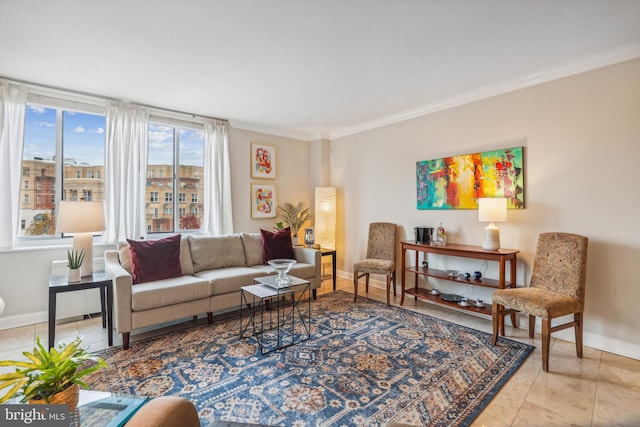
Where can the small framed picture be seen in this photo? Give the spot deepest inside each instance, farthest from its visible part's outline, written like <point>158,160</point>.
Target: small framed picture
<point>263,201</point>
<point>263,161</point>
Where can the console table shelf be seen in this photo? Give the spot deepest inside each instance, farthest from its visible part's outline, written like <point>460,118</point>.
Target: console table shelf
<point>424,294</point>
<point>442,274</point>
<point>502,256</point>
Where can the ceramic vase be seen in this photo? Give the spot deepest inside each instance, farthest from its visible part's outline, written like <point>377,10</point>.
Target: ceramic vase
<point>74,275</point>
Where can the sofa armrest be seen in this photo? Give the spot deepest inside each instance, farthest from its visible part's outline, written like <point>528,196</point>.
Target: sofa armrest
<point>313,257</point>
<point>122,283</point>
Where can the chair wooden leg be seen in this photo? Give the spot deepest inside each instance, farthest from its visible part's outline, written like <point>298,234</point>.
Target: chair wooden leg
<point>355,286</point>
<point>532,325</point>
<point>210,317</point>
<point>514,320</point>
<point>388,289</point>
<point>366,282</point>
<point>578,318</point>
<point>546,341</point>
<point>125,340</point>
<point>393,278</point>
<point>495,314</point>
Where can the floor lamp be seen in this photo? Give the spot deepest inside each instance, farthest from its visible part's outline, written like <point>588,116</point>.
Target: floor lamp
<point>82,219</point>
<point>325,217</point>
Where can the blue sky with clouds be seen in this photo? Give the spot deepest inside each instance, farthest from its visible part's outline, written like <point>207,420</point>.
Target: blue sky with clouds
<point>84,138</point>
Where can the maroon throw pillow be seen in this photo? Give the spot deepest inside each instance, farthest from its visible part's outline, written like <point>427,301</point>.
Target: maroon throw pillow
<point>276,245</point>
<point>155,259</point>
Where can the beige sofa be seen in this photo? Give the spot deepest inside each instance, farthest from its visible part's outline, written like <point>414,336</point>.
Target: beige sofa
<point>214,268</point>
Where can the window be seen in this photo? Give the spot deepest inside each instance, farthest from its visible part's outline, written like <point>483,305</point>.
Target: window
<point>60,144</point>
<point>23,224</point>
<point>153,197</point>
<point>177,156</point>
<point>86,195</point>
<point>90,174</point>
<point>26,185</point>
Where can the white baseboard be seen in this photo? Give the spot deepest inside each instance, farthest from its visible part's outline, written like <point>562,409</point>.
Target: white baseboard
<point>8,322</point>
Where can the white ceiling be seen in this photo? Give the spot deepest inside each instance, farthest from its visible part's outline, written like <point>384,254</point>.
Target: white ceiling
<point>310,69</point>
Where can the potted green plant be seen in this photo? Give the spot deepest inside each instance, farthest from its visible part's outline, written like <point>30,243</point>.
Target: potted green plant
<point>50,376</point>
<point>74,261</point>
<point>295,216</point>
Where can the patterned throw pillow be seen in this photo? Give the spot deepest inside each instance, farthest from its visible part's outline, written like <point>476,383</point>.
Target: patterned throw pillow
<point>155,259</point>
<point>276,245</point>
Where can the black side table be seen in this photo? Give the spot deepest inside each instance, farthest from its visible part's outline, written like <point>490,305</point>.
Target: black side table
<point>332,253</point>
<point>100,280</point>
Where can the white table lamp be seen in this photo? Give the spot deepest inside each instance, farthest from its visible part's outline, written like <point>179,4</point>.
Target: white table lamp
<point>82,219</point>
<point>492,210</point>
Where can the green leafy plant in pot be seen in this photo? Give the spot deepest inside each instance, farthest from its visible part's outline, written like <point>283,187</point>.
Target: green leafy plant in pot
<point>295,216</point>
<point>50,376</point>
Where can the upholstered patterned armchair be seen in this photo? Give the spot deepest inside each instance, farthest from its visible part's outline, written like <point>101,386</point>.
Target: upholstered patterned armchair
<point>381,257</point>
<point>556,289</point>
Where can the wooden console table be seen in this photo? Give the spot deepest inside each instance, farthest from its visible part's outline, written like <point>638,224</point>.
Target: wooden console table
<point>502,256</point>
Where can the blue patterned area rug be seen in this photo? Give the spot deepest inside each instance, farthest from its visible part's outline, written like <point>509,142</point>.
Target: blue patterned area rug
<point>365,364</point>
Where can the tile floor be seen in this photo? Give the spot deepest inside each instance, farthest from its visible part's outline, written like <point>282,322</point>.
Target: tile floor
<point>601,389</point>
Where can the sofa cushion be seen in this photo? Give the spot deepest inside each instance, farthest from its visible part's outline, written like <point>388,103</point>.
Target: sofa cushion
<point>252,243</point>
<point>231,279</point>
<point>210,252</point>
<point>276,245</point>
<point>161,293</point>
<point>124,255</point>
<point>155,259</point>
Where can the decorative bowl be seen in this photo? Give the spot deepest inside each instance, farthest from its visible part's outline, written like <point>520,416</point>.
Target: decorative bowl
<point>282,267</point>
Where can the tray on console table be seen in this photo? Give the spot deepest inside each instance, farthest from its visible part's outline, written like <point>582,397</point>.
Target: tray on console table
<point>502,256</point>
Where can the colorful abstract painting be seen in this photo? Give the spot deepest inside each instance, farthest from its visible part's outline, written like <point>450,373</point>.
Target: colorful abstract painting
<point>456,182</point>
<point>263,161</point>
<point>263,201</point>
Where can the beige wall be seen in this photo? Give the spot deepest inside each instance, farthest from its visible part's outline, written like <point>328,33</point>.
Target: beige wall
<point>292,181</point>
<point>581,138</point>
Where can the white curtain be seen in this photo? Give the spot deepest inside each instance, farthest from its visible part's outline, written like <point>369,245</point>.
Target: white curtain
<point>217,179</point>
<point>125,171</point>
<point>13,101</point>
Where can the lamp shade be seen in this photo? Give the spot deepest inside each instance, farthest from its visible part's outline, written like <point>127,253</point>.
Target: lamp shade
<point>325,217</point>
<point>80,217</point>
<point>492,209</point>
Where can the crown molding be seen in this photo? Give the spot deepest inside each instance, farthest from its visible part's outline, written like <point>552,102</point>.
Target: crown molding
<point>584,64</point>
<point>285,133</point>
